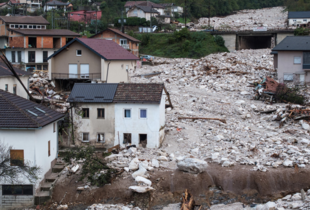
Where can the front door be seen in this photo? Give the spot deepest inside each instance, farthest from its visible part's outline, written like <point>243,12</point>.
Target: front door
<point>84,71</point>
<point>73,71</point>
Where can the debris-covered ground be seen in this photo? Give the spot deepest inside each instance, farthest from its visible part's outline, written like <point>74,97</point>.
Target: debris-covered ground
<point>272,18</point>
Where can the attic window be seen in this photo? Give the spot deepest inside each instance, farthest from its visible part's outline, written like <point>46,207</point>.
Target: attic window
<point>39,109</point>
<point>78,52</point>
<point>31,112</point>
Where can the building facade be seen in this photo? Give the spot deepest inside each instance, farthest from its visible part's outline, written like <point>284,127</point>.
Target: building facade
<point>298,19</point>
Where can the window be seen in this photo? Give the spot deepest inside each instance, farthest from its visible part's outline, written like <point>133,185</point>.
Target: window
<point>127,138</point>
<point>127,113</point>
<point>6,87</point>
<point>288,77</point>
<point>143,140</point>
<point>45,67</point>
<point>78,52</point>
<point>142,113</point>
<point>100,113</point>
<point>43,27</point>
<point>44,56</point>
<point>100,137</point>
<point>127,67</point>
<point>39,67</point>
<point>13,57</point>
<point>25,26</point>
<point>30,26</point>
<point>85,137</point>
<point>85,113</point>
<point>38,27</point>
<point>297,60</point>
<point>54,127</point>
<point>20,26</point>
<point>305,20</point>
<point>17,190</point>
<point>14,89</point>
<point>32,56</point>
<point>16,26</point>
<point>34,26</point>
<point>123,41</point>
<point>49,148</point>
<point>294,20</point>
<point>19,56</point>
<point>17,157</point>
<point>12,26</point>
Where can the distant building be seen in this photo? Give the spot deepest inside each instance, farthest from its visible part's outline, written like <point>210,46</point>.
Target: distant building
<point>298,19</point>
<point>31,129</point>
<point>32,5</point>
<point>144,9</point>
<point>145,4</point>
<point>84,16</point>
<point>171,9</point>
<point>292,59</point>
<point>127,42</point>
<point>9,83</point>
<point>54,4</point>
<point>125,114</point>
<point>87,60</point>
<point>27,40</point>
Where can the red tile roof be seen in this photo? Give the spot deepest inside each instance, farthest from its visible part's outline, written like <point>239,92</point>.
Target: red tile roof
<point>47,32</point>
<point>25,19</point>
<point>119,33</point>
<point>107,49</point>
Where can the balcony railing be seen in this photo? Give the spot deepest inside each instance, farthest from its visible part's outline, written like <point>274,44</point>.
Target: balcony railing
<point>76,76</point>
<point>126,46</point>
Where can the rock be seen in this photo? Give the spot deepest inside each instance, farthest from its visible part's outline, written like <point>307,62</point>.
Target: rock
<point>305,141</point>
<point>171,157</point>
<point>192,165</point>
<point>141,172</point>
<point>143,180</point>
<point>155,163</point>
<point>132,150</point>
<point>62,207</point>
<point>288,197</point>
<point>134,164</point>
<point>288,163</point>
<point>75,168</point>
<point>227,164</point>
<point>218,137</point>
<point>80,189</point>
<point>162,158</point>
<point>141,189</point>
<point>195,151</point>
<point>296,197</point>
<point>245,93</point>
<point>180,158</point>
<point>233,206</point>
<point>269,206</point>
<point>112,157</point>
<point>240,102</point>
<point>305,125</point>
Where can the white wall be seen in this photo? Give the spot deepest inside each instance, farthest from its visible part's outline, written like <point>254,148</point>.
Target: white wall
<point>298,21</point>
<point>39,54</point>
<point>136,125</point>
<point>11,80</point>
<point>8,54</point>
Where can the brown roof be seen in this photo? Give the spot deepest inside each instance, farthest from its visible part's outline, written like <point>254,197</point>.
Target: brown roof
<point>17,112</point>
<point>142,3</point>
<point>46,32</point>
<point>25,19</point>
<point>138,93</point>
<point>119,33</point>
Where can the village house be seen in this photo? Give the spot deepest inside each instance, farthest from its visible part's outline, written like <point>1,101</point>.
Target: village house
<point>28,43</point>
<point>299,19</point>
<point>32,132</point>
<point>9,83</point>
<point>56,5</point>
<point>32,5</point>
<point>87,60</point>
<point>158,7</point>
<point>124,113</point>
<point>171,9</point>
<point>84,16</point>
<point>124,40</point>
<point>292,59</point>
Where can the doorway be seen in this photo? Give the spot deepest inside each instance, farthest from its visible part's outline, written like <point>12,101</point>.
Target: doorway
<point>127,138</point>
<point>143,140</point>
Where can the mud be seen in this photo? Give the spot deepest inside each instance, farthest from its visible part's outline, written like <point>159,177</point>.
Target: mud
<point>218,185</point>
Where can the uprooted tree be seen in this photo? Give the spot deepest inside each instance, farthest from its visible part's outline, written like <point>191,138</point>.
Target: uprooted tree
<point>93,167</point>
<point>14,169</point>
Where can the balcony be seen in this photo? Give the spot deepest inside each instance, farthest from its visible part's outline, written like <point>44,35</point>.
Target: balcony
<point>126,46</point>
<point>76,76</point>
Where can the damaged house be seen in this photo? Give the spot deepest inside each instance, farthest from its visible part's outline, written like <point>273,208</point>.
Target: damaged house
<point>292,59</point>
<point>124,113</point>
<point>32,132</point>
<point>87,60</point>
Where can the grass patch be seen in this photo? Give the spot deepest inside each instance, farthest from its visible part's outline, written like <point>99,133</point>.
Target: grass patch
<point>182,44</point>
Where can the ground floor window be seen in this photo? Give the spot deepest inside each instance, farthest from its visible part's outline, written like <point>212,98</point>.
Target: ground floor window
<point>127,138</point>
<point>143,140</point>
<point>30,68</point>
<point>100,137</point>
<point>17,190</point>
<point>85,137</point>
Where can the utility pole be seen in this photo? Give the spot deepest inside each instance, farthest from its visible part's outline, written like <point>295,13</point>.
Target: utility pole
<point>185,13</point>
<point>52,18</point>
<point>209,21</point>
<point>123,22</point>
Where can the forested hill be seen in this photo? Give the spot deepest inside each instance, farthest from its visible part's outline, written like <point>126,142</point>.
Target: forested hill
<point>297,5</point>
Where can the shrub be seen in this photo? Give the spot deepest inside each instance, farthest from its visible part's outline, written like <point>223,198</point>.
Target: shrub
<point>286,94</point>
<point>301,32</point>
<point>182,34</point>
<point>145,39</point>
<point>198,36</point>
<point>219,41</point>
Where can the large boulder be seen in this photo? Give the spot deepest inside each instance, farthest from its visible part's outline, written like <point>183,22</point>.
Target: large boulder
<point>142,180</point>
<point>141,189</point>
<point>192,165</point>
<point>141,172</point>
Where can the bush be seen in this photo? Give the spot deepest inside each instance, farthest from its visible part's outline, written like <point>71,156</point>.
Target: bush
<point>145,39</point>
<point>182,34</point>
<point>198,36</point>
<point>132,21</point>
<point>286,94</point>
<point>301,32</point>
<point>219,41</point>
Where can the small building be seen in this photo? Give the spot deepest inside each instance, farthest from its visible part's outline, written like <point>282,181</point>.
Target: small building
<point>145,4</point>
<point>298,19</point>
<point>32,132</point>
<point>171,9</point>
<point>32,5</point>
<point>124,40</point>
<point>292,59</point>
<point>9,83</point>
<point>84,16</point>
<point>87,60</point>
<point>142,12</point>
<point>54,4</point>
<point>112,114</point>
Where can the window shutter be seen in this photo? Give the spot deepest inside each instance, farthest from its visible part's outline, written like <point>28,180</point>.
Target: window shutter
<point>17,157</point>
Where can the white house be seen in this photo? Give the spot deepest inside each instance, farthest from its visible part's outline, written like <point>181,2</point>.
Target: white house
<point>8,81</point>
<point>124,113</point>
<point>31,130</point>
<point>298,19</point>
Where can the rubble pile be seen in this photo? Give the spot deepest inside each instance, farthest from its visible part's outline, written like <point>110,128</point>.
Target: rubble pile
<point>42,89</point>
<point>218,87</point>
<point>272,18</point>
<point>111,207</point>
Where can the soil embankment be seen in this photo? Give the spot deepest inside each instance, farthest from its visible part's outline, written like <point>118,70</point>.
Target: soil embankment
<point>219,185</point>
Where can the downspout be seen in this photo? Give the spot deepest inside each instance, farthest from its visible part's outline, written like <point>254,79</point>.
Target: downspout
<point>108,72</point>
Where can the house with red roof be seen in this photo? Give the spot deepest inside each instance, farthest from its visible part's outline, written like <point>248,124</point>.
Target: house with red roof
<point>128,42</point>
<point>90,60</point>
<point>84,16</point>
